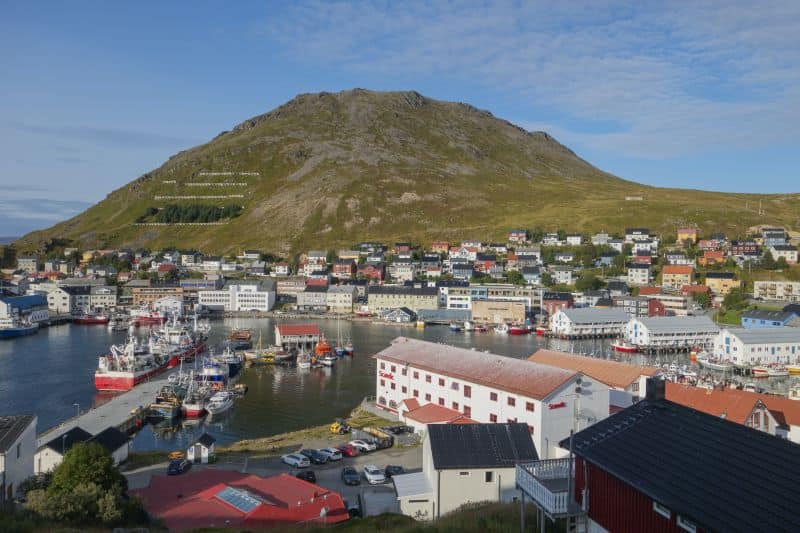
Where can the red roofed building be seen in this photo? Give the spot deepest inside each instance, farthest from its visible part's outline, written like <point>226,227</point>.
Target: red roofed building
<point>691,290</point>
<point>440,247</point>
<point>214,498</point>
<point>372,271</point>
<point>711,257</point>
<point>435,414</point>
<point>293,336</point>
<point>648,291</point>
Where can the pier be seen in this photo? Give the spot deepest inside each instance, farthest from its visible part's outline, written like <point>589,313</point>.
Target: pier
<point>122,412</point>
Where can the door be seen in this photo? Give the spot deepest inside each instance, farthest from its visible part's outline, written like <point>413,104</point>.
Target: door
<point>198,453</point>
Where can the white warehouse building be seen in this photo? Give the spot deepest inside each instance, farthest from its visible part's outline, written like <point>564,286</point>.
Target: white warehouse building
<point>759,345</point>
<point>671,332</point>
<point>491,388</point>
<point>240,296</point>
<point>588,321</point>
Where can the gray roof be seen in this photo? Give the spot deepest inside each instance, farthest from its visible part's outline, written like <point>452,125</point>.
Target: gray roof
<point>766,335</point>
<point>780,316</point>
<point>459,446</point>
<point>593,315</point>
<point>11,427</point>
<point>678,324</point>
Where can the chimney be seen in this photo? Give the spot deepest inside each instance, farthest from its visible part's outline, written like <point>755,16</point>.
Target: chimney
<point>655,389</point>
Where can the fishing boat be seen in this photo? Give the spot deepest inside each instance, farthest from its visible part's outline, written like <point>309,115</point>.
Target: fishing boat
<point>145,315</point>
<point>454,327</point>
<point>715,364</point>
<point>760,371</point>
<point>793,368</point>
<point>777,371</point>
<point>228,359</point>
<point>211,374</point>
<point>540,331</point>
<point>88,318</point>
<point>167,411</point>
<point>623,347</point>
<point>327,360</point>
<point>323,347</point>
<point>480,328</point>
<point>303,360</point>
<point>469,326</point>
<point>219,402</point>
<point>501,329</point>
<point>519,329</point>
<point>194,404</point>
<point>11,328</point>
<point>128,365</point>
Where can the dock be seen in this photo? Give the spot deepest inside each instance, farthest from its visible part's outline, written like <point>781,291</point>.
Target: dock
<point>119,412</point>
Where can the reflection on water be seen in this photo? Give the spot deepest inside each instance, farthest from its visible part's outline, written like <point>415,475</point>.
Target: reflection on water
<point>47,373</point>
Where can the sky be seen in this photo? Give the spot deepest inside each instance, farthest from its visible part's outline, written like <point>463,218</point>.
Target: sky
<point>681,94</point>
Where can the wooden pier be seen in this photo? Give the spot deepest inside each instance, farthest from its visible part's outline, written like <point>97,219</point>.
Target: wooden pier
<point>124,412</point>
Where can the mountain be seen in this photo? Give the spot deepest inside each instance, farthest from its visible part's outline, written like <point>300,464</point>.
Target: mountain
<point>327,170</point>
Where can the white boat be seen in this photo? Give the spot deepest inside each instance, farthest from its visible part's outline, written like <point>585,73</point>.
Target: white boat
<point>777,372</point>
<point>303,360</point>
<point>469,326</point>
<point>715,364</point>
<point>219,402</point>
<point>760,371</point>
<point>327,360</point>
<point>502,329</point>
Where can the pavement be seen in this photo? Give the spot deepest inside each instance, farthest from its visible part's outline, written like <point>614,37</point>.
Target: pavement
<point>375,499</point>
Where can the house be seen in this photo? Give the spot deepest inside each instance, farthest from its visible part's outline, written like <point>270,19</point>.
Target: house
<point>687,234</point>
<point>744,248</point>
<point>462,270</point>
<point>678,258</point>
<point>551,239</point>
<point>401,315</point>
<point>574,239</point>
<point>617,288</point>
<point>215,498</point>
<point>675,332</point>
<point>773,237</point>
<point>280,269</point>
<point>564,257</point>
<point>553,301</point>
<point>382,298</point>
<point>638,274</point>
<point>621,475</point>
<point>777,290</point>
<point>297,336</point>
<point>532,275</point>
<point>721,283</point>
<point>440,247</point>
<point>711,257</point>
<point>463,464</point>
<point>519,236</point>
<point>401,270</point>
<point>562,274</point>
<point>498,247</point>
<point>116,443</point>
<point>674,276</point>
<point>636,234</point>
<point>341,298</point>
<point>693,290</point>
<point>785,251</point>
<point>588,321</point>
<point>28,264</point>
<point>313,298</point>
<point>484,262</point>
<point>626,382</point>
<point>489,388</point>
<point>373,271</point>
<point>420,416</point>
<point>642,257</point>
<point>240,296</point>
<point>202,451</point>
<point>759,345</point>
<point>606,258</point>
<point>766,319</point>
<point>402,249</point>
<point>344,268</point>
<point>17,447</point>
<point>32,308</point>
<point>52,453</point>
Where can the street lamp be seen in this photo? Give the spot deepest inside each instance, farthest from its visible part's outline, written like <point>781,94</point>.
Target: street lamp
<point>63,445</point>
<point>77,409</point>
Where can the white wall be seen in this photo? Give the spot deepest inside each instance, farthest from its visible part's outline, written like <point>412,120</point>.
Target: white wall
<point>45,460</point>
<point>16,469</point>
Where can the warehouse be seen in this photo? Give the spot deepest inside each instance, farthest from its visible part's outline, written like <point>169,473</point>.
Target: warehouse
<point>671,332</point>
<point>758,346</point>
<point>588,322</point>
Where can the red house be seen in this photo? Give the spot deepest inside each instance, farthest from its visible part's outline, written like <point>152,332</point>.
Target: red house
<point>658,466</point>
<point>372,271</point>
<point>440,247</point>
<point>484,263</point>
<point>554,301</point>
<point>344,268</point>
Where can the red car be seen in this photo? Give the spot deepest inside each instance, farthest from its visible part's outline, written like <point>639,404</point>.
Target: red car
<point>347,450</point>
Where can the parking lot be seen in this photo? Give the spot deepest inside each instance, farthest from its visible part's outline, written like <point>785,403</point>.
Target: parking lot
<point>375,499</point>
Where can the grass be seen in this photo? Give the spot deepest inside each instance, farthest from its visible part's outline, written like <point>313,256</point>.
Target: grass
<point>734,316</point>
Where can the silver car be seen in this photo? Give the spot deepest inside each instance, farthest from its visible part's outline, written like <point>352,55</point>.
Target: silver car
<point>296,460</point>
<point>331,453</point>
<point>374,475</point>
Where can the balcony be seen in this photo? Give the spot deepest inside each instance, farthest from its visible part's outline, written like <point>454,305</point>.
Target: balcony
<point>546,482</point>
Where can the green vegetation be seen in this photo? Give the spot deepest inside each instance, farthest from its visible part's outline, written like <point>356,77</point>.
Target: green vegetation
<point>334,169</point>
<point>172,213</point>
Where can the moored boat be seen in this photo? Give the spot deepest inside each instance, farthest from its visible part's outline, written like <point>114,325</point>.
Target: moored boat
<point>793,369</point>
<point>145,315</point>
<point>323,347</point>
<point>760,371</point>
<point>519,329</point>
<point>623,347</point>
<point>777,372</point>
<point>11,328</point>
<point>127,366</point>
<point>327,360</point>
<point>219,402</point>
<point>715,364</point>
<point>501,329</point>
<point>540,330</point>
<point>455,327</point>
<point>88,318</point>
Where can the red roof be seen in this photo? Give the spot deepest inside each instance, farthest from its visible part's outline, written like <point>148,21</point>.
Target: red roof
<point>644,291</point>
<point>690,289</point>
<point>496,371</point>
<point>713,254</point>
<point>431,413</point>
<point>190,501</point>
<point>166,267</point>
<point>735,405</point>
<point>612,373</point>
<point>411,403</point>
<point>678,269</point>
<point>317,282</point>
<point>298,329</point>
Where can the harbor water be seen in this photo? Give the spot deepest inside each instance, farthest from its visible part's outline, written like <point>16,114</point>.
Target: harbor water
<point>51,374</point>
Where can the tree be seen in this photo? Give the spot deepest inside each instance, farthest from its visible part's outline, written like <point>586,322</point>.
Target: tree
<point>781,263</point>
<point>515,277</point>
<point>768,261</point>
<point>735,299</point>
<point>547,279</point>
<point>702,299</point>
<point>87,463</point>
<point>588,281</point>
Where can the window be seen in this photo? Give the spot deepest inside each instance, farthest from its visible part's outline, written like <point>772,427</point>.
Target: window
<point>467,410</point>
<point>463,473</point>
<point>427,397</point>
<point>383,366</point>
<point>488,477</point>
<point>383,383</point>
<point>467,391</point>
<point>455,406</point>
<point>493,418</point>
<point>454,385</point>
<point>686,525</point>
<point>404,389</point>
<point>441,382</point>
<point>512,401</point>
<point>417,501</point>
<point>529,406</point>
<point>635,386</point>
<point>441,401</point>
<point>660,509</point>
<point>416,393</point>
<point>404,372</point>
<point>427,378</point>
<point>19,450</point>
<point>493,396</point>
<point>511,420</point>
<point>416,376</point>
<point>393,386</point>
<point>394,369</point>
<point>530,429</point>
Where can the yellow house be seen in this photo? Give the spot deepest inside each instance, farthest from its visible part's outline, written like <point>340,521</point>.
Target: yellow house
<point>685,234</point>
<point>721,283</point>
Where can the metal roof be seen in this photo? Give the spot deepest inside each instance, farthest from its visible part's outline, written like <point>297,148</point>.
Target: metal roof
<point>593,315</point>
<point>678,324</point>
<point>766,335</point>
<point>26,302</point>
<point>612,373</point>
<point>780,316</point>
<point>480,445</point>
<point>413,484</point>
<point>11,427</point>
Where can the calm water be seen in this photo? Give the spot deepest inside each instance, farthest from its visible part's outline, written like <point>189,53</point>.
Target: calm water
<point>49,372</point>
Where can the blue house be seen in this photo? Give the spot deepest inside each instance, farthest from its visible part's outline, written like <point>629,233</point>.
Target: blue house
<point>767,319</point>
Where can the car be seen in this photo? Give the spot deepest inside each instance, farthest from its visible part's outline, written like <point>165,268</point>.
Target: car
<point>374,475</point>
<point>178,466</point>
<point>363,446</point>
<point>348,450</point>
<point>296,460</point>
<point>331,453</point>
<point>399,430</point>
<point>393,470</point>
<point>315,457</point>
<point>307,475</point>
<point>350,476</point>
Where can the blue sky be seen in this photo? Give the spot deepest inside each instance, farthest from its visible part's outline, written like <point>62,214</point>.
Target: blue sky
<point>684,94</point>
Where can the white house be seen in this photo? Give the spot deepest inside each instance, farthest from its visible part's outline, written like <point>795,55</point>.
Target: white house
<point>490,388</point>
<point>463,464</point>
<point>574,239</point>
<point>588,321</point>
<point>788,252</point>
<point>562,274</point>
<point>240,296</point>
<point>52,453</point>
<point>638,274</point>
<point>759,345</point>
<point>202,451</point>
<point>17,446</point>
<point>340,298</point>
<point>675,332</point>
<point>777,290</point>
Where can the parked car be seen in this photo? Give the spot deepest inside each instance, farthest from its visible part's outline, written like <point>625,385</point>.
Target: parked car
<point>307,475</point>
<point>296,460</point>
<point>332,454</point>
<point>393,470</point>
<point>178,466</point>
<point>398,430</point>
<point>348,450</point>
<point>363,446</point>
<point>315,456</point>
<point>374,475</point>
<point>350,476</point>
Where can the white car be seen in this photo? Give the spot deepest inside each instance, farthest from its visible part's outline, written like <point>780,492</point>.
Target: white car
<point>331,453</point>
<point>296,460</point>
<point>374,475</point>
<point>362,445</point>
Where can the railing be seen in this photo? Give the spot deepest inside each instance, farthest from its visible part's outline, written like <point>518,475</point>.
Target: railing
<point>530,477</point>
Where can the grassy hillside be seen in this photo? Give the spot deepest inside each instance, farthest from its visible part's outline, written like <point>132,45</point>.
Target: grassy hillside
<point>325,170</point>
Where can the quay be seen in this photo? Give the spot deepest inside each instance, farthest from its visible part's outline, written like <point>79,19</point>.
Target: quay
<point>123,412</point>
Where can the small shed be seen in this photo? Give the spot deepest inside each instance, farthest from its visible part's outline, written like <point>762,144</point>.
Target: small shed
<point>202,451</point>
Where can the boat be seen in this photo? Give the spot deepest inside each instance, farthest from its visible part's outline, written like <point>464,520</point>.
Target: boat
<point>145,315</point>
<point>715,364</point>
<point>230,360</point>
<point>167,411</point>
<point>793,368</point>
<point>194,404</point>
<point>454,327</point>
<point>501,329</point>
<point>323,348</point>
<point>219,402</point>
<point>540,331</point>
<point>623,347</point>
<point>11,328</point>
<point>128,365</point>
<point>760,371</point>
<point>519,329</point>
<point>327,360</point>
<point>88,318</point>
<point>777,372</point>
<point>303,360</point>
<point>211,374</point>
